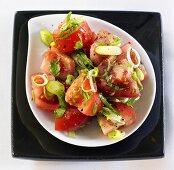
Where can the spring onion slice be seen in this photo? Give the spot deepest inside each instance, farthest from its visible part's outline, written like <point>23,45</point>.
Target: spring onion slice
<point>92,74</point>
<point>110,115</point>
<point>40,80</point>
<point>46,37</point>
<point>108,50</point>
<point>128,55</point>
<point>57,88</point>
<point>116,134</point>
<point>140,74</point>
<point>69,79</point>
<point>107,104</point>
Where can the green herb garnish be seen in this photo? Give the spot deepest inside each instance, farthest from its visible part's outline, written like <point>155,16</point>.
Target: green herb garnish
<point>70,26</point>
<point>57,88</point>
<point>46,37</point>
<point>55,68</point>
<point>79,44</point>
<point>82,61</point>
<point>69,79</point>
<point>59,112</point>
<point>95,109</point>
<point>106,103</point>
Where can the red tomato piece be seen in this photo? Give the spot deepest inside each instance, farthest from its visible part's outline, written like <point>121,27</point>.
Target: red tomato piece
<point>126,112</point>
<point>93,106</point>
<point>48,57</point>
<point>67,45</point>
<point>39,98</point>
<point>47,105</point>
<point>67,65</point>
<point>131,91</point>
<point>75,96</point>
<point>87,48</point>
<point>72,120</point>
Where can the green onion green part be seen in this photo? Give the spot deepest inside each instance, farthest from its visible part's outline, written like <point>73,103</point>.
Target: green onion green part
<point>59,112</point>
<point>72,134</point>
<point>57,88</point>
<point>116,134</point>
<point>82,61</point>
<point>106,103</point>
<point>55,68</point>
<point>46,37</point>
<point>70,78</point>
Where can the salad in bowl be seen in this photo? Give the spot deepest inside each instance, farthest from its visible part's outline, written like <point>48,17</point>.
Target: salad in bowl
<point>85,81</point>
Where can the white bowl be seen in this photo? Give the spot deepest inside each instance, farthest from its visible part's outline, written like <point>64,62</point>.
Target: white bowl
<point>91,135</point>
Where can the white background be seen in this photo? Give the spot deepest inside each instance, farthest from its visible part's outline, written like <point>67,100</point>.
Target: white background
<point>7,11</point>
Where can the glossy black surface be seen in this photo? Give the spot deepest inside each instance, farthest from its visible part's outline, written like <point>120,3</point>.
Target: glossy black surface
<point>30,140</point>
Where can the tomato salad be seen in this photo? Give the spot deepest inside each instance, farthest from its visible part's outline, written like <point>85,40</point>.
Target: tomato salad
<point>86,75</point>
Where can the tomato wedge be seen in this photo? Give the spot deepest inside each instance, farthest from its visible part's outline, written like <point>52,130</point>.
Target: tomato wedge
<point>66,45</point>
<point>88,103</point>
<point>47,105</point>
<point>126,112</point>
<point>67,65</point>
<point>72,120</point>
<point>39,98</point>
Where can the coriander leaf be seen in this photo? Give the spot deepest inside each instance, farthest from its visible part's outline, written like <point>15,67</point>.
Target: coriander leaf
<point>95,109</point>
<point>55,68</point>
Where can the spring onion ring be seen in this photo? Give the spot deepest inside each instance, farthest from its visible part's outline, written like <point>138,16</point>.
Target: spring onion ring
<point>40,80</point>
<point>128,55</point>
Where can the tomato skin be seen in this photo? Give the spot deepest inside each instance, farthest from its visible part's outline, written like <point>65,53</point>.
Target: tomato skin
<point>47,105</point>
<point>67,45</point>
<point>130,92</point>
<point>126,112</point>
<point>72,120</point>
<point>87,48</point>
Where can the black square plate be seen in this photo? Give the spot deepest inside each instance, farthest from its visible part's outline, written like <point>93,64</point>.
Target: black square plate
<point>30,140</point>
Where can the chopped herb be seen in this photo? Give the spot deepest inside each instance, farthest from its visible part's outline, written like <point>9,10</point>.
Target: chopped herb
<point>116,134</point>
<point>100,43</point>
<point>134,75</point>
<point>106,103</point>
<point>70,26</point>
<point>57,88</point>
<point>117,42</point>
<point>74,101</point>
<point>131,101</point>
<point>114,40</point>
<point>95,109</point>
<point>110,115</point>
<point>114,87</point>
<point>70,78</point>
<point>87,96</point>
<point>82,61</point>
<point>59,112</point>
<point>33,96</point>
<point>140,74</point>
<point>79,44</point>
<point>46,37</point>
<point>72,134</point>
<point>55,68</point>
<point>94,72</point>
<point>136,78</point>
